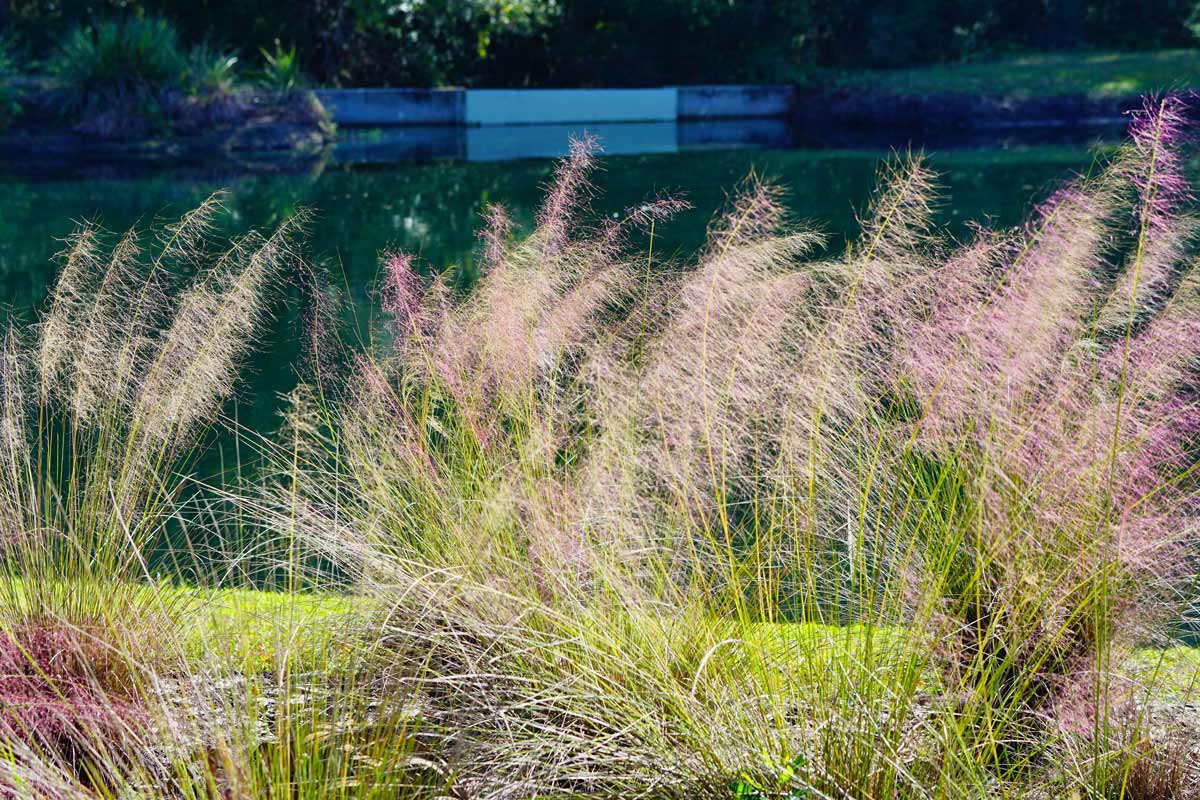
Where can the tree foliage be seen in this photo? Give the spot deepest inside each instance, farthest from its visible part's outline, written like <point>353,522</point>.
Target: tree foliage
<point>625,42</point>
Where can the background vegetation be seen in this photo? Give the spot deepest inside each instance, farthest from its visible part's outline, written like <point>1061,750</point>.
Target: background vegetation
<point>608,42</point>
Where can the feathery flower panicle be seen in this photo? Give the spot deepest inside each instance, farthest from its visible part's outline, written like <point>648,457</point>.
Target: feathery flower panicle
<point>660,208</point>
<point>755,209</point>
<point>81,261</point>
<point>981,357</point>
<point>1155,165</point>
<point>209,335</point>
<point>15,398</point>
<point>183,243</point>
<point>888,278</point>
<point>570,191</point>
<point>494,235</point>
<point>100,370</point>
<point>938,360</point>
<point>899,220</point>
<point>323,355</point>
<point>714,378</point>
<point>400,295</point>
<point>1146,282</point>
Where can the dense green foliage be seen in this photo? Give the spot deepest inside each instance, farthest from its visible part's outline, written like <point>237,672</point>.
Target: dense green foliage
<point>133,59</point>
<point>9,105</point>
<point>608,42</point>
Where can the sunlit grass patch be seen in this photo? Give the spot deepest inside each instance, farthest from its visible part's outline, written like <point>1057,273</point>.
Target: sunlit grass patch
<point>1127,74</point>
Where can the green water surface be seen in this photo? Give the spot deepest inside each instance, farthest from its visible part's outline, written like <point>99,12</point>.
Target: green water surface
<point>432,209</point>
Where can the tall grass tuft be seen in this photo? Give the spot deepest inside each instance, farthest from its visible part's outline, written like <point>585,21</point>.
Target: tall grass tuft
<point>882,523</point>
<point>104,406</point>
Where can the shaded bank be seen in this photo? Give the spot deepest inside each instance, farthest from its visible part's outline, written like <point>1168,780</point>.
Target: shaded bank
<point>859,107</point>
<point>225,125</point>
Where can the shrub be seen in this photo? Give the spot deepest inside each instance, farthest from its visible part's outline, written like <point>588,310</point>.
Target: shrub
<point>128,62</point>
<point>211,70</point>
<point>281,70</point>
<point>126,77</point>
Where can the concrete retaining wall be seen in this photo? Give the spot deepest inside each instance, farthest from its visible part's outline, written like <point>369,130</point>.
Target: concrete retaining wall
<point>394,106</point>
<point>715,102</point>
<point>486,107</point>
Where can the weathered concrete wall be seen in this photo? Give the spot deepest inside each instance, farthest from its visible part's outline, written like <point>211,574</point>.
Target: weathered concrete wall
<point>551,106</point>
<point>394,106</point>
<point>714,102</point>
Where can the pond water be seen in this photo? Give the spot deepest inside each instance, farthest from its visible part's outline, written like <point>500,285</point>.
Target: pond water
<point>367,198</point>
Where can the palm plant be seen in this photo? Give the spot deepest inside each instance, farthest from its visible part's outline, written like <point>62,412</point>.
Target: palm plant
<point>281,70</point>
<point>119,62</point>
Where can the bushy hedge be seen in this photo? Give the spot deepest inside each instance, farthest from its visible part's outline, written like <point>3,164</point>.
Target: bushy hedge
<point>626,42</point>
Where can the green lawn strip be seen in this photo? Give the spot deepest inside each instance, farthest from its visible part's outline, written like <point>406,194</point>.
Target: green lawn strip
<point>255,630</point>
<point>254,627</point>
<point>1094,74</point>
<point>251,631</point>
<point>1173,672</point>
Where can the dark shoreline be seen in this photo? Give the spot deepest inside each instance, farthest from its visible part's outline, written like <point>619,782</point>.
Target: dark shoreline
<point>864,107</point>
<point>256,129</point>
<point>254,132</point>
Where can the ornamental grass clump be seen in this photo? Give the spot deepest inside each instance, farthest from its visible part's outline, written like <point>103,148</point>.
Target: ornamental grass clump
<point>877,523</point>
<point>909,518</point>
<point>105,405</point>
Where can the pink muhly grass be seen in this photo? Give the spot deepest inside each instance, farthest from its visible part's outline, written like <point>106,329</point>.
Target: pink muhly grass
<point>982,354</point>
<point>400,295</point>
<point>62,689</point>
<point>764,411</point>
<point>494,236</point>
<point>1031,365</point>
<point>1156,131</point>
<point>569,191</point>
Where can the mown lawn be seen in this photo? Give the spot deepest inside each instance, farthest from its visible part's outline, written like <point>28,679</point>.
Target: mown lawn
<point>1098,75</point>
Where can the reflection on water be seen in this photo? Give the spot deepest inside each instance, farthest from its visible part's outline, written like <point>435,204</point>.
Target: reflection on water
<point>509,142</point>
